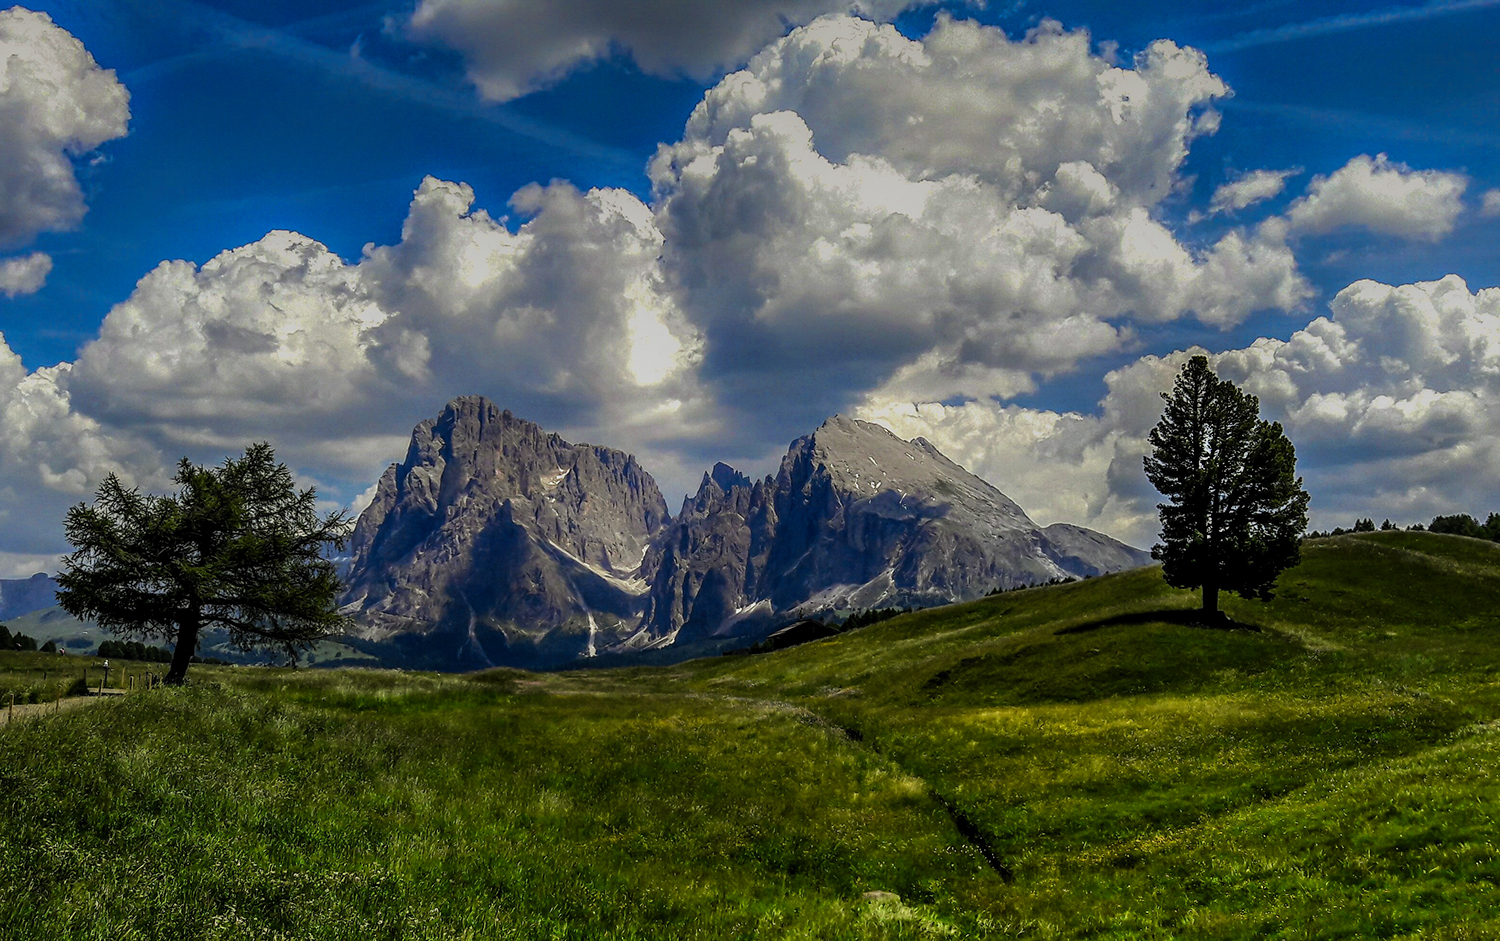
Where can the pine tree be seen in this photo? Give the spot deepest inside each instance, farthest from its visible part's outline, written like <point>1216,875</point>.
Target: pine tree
<point>1491,527</point>
<point>238,547</point>
<point>1236,510</point>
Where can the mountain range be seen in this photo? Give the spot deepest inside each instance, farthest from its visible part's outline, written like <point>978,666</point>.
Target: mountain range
<point>496,542</point>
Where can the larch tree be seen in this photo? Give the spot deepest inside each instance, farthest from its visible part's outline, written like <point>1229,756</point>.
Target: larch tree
<point>237,547</point>
<point>1235,509</point>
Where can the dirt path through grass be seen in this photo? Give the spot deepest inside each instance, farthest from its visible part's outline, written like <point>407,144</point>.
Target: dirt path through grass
<point>45,708</point>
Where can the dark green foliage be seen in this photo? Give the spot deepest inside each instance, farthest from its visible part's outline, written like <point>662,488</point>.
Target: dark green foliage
<point>816,630</point>
<point>1060,580</point>
<point>133,650</point>
<point>1492,527</point>
<point>50,647</point>
<point>1364,525</point>
<point>237,547</point>
<point>1236,510</point>
<point>872,616</point>
<point>1360,526</point>
<point>18,641</point>
<point>1462,524</point>
<point>1459,524</point>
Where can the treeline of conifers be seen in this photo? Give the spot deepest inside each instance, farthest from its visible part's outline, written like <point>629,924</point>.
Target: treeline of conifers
<point>9,641</point>
<point>119,649</point>
<point>1457,524</point>
<point>133,650</point>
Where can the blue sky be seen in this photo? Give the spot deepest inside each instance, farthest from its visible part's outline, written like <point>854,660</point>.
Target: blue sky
<point>247,117</point>
<point>323,118</point>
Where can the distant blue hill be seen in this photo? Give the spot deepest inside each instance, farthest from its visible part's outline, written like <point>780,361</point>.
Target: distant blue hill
<point>24,595</point>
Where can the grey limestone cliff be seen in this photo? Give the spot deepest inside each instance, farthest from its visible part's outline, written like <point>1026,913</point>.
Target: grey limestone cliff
<point>506,541</point>
<point>706,564</point>
<point>855,518</point>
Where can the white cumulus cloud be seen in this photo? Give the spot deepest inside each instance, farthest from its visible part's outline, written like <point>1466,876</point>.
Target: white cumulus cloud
<point>513,47</point>
<point>562,320</point>
<point>1490,206</point>
<point>56,103</point>
<point>960,212</point>
<point>52,456</point>
<point>24,274</point>
<point>1383,196</point>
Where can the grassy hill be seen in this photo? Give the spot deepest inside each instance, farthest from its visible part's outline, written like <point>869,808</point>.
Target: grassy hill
<point>1065,762</point>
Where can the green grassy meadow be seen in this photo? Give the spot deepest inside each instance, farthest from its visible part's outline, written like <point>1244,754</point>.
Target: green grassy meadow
<point>1078,761</point>
<point>34,677</point>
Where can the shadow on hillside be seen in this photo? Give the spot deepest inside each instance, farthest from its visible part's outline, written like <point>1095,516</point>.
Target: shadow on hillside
<point>1186,617</point>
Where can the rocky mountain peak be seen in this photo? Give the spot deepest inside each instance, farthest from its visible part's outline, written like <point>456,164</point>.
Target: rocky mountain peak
<point>864,460</point>
<point>855,518</point>
<point>480,489</point>
<point>726,477</point>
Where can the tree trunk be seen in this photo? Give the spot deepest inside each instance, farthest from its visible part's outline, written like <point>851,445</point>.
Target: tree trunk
<point>182,654</point>
<point>1210,602</point>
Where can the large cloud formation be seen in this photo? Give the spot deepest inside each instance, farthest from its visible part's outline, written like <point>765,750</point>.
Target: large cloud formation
<point>55,103</point>
<point>562,320</point>
<point>1393,402</point>
<point>855,219</point>
<point>961,212</point>
<point>938,254</point>
<point>51,457</point>
<point>513,47</point>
